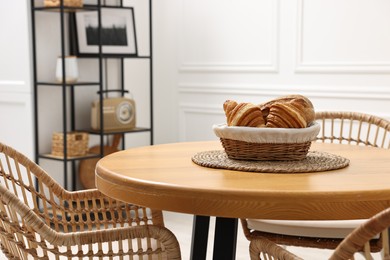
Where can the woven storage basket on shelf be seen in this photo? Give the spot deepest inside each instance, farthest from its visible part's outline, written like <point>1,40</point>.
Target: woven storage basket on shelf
<point>67,3</point>
<point>77,144</point>
<point>266,144</point>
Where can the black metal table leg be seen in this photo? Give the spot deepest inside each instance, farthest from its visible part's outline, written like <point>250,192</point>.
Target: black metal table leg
<point>200,232</point>
<point>225,239</point>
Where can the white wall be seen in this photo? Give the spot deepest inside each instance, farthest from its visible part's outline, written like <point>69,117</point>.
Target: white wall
<point>207,51</point>
<point>16,125</point>
<point>334,52</point>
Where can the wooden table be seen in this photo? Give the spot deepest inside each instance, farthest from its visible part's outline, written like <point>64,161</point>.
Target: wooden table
<point>164,177</point>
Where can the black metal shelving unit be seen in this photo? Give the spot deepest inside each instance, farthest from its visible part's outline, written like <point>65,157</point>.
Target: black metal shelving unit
<point>68,89</point>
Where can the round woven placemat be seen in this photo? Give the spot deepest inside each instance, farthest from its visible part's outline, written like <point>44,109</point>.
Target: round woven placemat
<point>314,162</point>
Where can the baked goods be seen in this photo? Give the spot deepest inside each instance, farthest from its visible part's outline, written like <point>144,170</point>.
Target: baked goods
<point>279,130</point>
<point>243,114</point>
<point>301,103</point>
<point>292,111</point>
<point>285,115</point>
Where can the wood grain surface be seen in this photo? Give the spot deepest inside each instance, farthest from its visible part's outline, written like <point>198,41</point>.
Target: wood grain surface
<point>164,177</point>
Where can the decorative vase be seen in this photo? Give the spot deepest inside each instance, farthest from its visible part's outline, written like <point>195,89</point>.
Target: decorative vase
<point>71,69</point>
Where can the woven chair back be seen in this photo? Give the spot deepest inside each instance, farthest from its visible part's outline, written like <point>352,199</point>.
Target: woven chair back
<point>59,213</point>
<point>353,128</point>
<point>358,129</point>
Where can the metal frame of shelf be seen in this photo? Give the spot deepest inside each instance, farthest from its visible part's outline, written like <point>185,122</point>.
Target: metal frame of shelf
<point>70,87</point>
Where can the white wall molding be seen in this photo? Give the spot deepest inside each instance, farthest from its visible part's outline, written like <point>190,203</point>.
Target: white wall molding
<point>307,66</point>
<point>14,86</point>
<point>17,114</point>
<point>12,99</point>
<point>206,115</point>
<point>341,92</point>
<point>200,109</point>
<point>269,66</point>
<point>334,79</point>
<point>187,109</point>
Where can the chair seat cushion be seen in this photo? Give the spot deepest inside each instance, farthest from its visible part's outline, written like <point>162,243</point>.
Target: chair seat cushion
<point>306,228</point>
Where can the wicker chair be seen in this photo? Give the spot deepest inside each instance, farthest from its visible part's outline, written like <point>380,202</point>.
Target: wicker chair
<point>262,248</point>
<point>354,243</point>
<point>336,127</point>
<point>53,223</point>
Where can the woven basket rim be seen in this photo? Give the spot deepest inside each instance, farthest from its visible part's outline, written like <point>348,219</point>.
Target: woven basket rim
<point>266,134</point>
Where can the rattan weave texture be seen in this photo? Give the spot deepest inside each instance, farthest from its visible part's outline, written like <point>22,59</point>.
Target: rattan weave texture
<point>338,127</point>
<point>266,144</point>
<point>265,152</point>
<point>53,223</point>
<point>346,249</point>
<point>314,162</point>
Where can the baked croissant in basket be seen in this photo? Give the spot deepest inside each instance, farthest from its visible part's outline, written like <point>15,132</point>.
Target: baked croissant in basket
<point>243,114</point>
<point>285,115</point>
<point>300,104</point>
<point>292,111</point>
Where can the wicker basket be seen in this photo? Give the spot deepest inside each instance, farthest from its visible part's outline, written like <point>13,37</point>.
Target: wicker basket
<point>67,3</point>
<point>77,144</point>
<point>266,144</point>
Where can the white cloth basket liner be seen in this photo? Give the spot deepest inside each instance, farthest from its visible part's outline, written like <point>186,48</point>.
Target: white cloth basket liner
<point>267,135</point>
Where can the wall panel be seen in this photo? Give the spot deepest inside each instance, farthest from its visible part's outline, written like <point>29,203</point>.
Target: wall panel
<point>201,106</point>
<point>229,36</point>
<point>343,36</point>
<point>336,55</point>
<point>16,118</point>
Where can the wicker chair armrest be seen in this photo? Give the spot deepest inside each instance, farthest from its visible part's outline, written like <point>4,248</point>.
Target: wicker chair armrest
<point>262,248</point>
<point>100,236</point>
<point>161,234</point>
<point>93,195</point>
<point>357,239</point>
<point>105,203</point>
<point>90,194</point>
<point>35,223</point>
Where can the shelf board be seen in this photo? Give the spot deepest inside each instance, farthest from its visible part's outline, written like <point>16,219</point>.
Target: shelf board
<point>112,55</point>
<point>134,130</point>
<point>143,57</point>
<point>66,8</point>
<point>59,84</point>
<point>70,158</point>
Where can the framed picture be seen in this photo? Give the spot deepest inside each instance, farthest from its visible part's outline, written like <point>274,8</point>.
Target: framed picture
<point>118,34</point>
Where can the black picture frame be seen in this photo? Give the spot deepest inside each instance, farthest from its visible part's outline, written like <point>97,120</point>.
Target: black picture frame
<point>118,32</point>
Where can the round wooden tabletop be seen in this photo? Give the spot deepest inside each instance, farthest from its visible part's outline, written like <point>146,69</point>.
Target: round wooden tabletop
<point>164,177</point>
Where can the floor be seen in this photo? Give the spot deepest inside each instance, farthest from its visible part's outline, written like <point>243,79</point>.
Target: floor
<point>181,226</point>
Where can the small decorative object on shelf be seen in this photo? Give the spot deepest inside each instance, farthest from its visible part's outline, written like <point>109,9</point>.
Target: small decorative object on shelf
<point>71,69</point>
<point>77,143</point>
<point>67,3</point>
<point>118,113</point>
<point>118,35</point>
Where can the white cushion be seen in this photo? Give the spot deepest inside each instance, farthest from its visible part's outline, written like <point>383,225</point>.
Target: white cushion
<point>307,228</point>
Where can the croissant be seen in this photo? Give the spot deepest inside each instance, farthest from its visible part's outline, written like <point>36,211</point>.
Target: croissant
<point>243,114</point>
<point>285,115</point>
<point>300,103</point>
